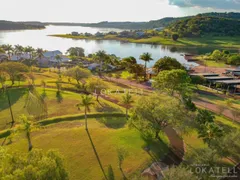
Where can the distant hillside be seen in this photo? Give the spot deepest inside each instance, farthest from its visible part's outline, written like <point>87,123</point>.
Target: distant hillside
<point>146,25</point>
<point>204,25</point>
<point>9,25</point>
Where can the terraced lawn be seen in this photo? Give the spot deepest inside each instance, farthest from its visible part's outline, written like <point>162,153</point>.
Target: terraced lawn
<point>73,142</point>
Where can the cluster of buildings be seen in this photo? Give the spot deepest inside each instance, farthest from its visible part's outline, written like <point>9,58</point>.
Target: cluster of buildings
<point>48,58</point>
<point>228,82</point>
<point>123,34</point>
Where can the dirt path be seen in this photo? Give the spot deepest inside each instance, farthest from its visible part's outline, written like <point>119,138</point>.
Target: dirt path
<point>208,105</point>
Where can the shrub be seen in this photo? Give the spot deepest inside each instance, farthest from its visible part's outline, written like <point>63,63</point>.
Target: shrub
<point>175,37</point>
<point>234,60</point>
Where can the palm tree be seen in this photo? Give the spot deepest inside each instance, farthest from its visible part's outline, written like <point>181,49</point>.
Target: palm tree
<point>101,55</point>
<point>146,57</point>
<point>127,101</point>
<point>39,52</point>
<point>29,50</point>
<point>18,49</point>
<point>86,102</point>
<point>26,127</point>
<point>59,59</point>
<point>8,48</point>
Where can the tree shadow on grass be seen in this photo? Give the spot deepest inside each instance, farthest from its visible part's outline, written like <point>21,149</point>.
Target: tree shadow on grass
<point>114,122</point>
<point>156,148</point>
<point>96,154</point>
<point>15,94</point>
<point>106,108</point>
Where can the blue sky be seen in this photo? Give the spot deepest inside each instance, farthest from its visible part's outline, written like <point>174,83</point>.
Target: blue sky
<point>109,10</point>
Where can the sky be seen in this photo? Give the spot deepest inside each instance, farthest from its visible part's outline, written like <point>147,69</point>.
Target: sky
<point>109,10</point>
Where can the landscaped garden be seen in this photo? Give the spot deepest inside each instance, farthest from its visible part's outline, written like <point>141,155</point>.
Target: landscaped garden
<point>106,126</point>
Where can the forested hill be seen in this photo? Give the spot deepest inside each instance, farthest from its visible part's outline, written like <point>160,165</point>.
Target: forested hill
<point>9,25</point>
<point>147,25</point>
<point>204,25</point>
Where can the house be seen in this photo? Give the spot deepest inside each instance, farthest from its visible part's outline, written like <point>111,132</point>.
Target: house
<point>112,33</point>
<point>75,33</point>
<point>93,66</point>
<point>19,57</point>
<point>140,34</point>
<point>158,29</point>
<point>98,34</point>
<point>3,57</point>
<point>49,58</point>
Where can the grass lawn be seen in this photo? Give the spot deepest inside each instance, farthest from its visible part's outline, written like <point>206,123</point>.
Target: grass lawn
<point>227,42</point>
<point>72,141</point>
<point>235,105</point>
<point>18,98</point>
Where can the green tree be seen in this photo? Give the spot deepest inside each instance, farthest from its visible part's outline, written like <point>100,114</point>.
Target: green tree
<point>3,78</point>
<point>8,48</point>
<point>127,101</point>
<point>76,51</point>
<point>122,154</point>
<point>234,60</point>
<point>146,57</point>
<point>96,86</point>
<point>29,50</point>
<point>86,102</point>
<point>35,165</point>
<point>167,63</point>
<point>100,56</point>
<point>18,49</point>
<point>155,112</point>
<point>216,55</point>
<point>207,129</point>
<point>175,37</point>
<point>77,73</point>
<point>39,52</point>
<point>174,81</point>
<point>13,69</point>
<point>26,126</point>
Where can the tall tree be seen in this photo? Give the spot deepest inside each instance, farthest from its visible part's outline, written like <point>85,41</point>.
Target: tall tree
<point>174,81</point>
<point>146,57</point>
<point>76,51</point>
<point>13,69</point>
<point>96,86</point>
<point>26,126</point>
<point>101,56</point>
<point>35,165</point>
<point>86,102</point>
<point>167,63</point>
<point>8,48</point>
<point>127,100</point>
<point>78,73</point>
<point>155,112</point>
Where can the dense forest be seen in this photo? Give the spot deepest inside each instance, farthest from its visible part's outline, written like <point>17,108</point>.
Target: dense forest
<point>150,24</point>
<point>205,25</point>
<point>9,25</point>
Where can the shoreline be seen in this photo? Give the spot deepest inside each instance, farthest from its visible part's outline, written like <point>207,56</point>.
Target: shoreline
<point>154,41</point>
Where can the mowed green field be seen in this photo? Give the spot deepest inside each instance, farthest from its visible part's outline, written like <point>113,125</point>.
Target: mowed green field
<point>18,98</point>
<point>71,139</point>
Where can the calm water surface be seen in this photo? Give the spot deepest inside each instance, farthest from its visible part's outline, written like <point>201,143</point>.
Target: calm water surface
<point>39,39</point>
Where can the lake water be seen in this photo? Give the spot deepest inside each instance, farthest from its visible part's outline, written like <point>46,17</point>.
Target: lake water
<point>39,39</point>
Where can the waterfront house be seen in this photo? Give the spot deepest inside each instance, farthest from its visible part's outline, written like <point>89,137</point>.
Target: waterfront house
<point>19,57</point>
<point>3,57</point>
<point>49,58</point>
<point>98,34</point>
<point>75,33</point>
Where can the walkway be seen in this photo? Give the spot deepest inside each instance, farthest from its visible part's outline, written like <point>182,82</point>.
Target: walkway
<point>208,105</point>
